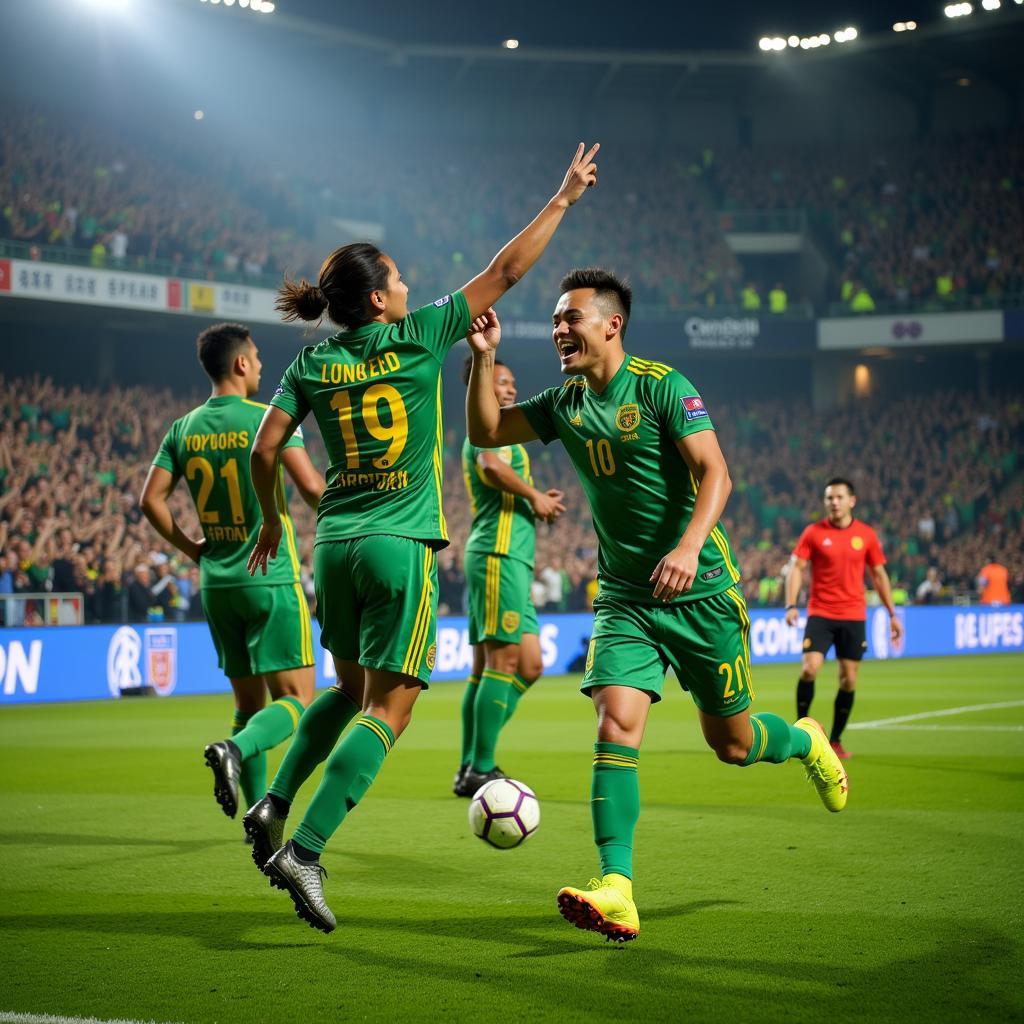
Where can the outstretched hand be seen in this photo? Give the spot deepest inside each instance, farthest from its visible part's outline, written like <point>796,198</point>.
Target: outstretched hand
<point>484,333</point>
<point>266,547</point>
<point>582,174</point>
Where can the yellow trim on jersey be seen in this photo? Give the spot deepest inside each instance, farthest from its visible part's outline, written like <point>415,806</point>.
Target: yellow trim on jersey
<point>526,464</point>
<point>718,538</point>
<point>503,537</point>
<point>378,732</point>
<point>291,709</point>
<point>259,405</point>
<point>502,677</point>
<point>305,626</point>
<point>421,627</point>
<point>645,368</point>
<point>575,382</point>
<point>439,466</point>
<point>468,481</point>
<point>286,523</point>
<point>492,594</point>
<point>734,594</point>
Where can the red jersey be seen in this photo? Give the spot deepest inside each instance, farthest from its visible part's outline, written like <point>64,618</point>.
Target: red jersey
<point>838,556</point>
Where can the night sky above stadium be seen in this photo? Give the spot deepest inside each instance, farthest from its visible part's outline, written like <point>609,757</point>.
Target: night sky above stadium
<point>637,24</point>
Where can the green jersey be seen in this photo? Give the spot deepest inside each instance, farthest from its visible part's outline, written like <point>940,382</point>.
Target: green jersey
<point>376,394</point>
<point>622,443</point>
<point>503,523</point>
<point>210,447</point>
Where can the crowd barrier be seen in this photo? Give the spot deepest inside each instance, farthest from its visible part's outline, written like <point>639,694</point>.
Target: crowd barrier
<point>69,663</point>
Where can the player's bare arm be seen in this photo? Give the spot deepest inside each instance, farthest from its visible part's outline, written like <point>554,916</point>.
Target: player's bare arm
<point>794,580</point>
<point>547,505</point>
<point>310,484</point>
<point>675,573</point>
<point>275,429</point>
<point>516,257</point>
<point>883,587</point>
<point>154,504</point>
<point>487,423</point>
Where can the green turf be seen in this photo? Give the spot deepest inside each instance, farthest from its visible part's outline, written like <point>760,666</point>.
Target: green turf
<point>126,893</point>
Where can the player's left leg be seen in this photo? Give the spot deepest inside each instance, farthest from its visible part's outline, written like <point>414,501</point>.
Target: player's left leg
<point>848,670</point>
<point>469,696</point>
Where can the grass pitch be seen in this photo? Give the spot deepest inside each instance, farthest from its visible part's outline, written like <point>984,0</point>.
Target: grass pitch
<point>126,893</point>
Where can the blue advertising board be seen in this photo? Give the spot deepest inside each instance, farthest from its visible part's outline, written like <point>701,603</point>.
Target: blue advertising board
<point>67,663</point>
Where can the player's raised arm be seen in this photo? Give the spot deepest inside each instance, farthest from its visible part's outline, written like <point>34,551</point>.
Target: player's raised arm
<point>517,256</point>
<point>153,502</point>
<point>675,573</point>
<point>275,429</point>
<point>487,423</point>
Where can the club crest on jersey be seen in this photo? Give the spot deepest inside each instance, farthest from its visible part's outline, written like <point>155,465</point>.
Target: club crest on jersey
<point>693,407</point>
<point>509,622</point>
<point>857,543</point>
<point>431,656</point>
<point>443,301</point>
<point>627,417</point>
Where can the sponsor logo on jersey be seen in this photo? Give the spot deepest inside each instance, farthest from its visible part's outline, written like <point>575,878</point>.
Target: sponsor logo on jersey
<point>576,421</point>
<point>443,301</point>
<point>857,543</point>
<point>431,656</point>
<point>693,406</point>
<point>627,417</point>
<point>712,574</point>
<point>509,622</point>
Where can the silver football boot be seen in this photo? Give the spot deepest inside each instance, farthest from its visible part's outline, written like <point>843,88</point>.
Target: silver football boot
<point>304,883</point>
<point>226,766</point>
<point>264,826</point>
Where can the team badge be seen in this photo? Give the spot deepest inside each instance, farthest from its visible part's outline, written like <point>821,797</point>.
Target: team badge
<point>627,417</point>
<point>693,407</point>
<point>857,543</point>
<point>509,622</point>
<point>431,656</point>
<point>590,656</point>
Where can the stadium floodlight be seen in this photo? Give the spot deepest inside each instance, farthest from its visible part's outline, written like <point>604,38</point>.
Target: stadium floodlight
<point>795,40</point>
<point>765,43</point>
<point>199,115</point>
<point>991,5</point>
<point>510,44</point>
<point>243,4</point>
<point>960,10</point>
<point>778,44</point>
<point>904,26</point>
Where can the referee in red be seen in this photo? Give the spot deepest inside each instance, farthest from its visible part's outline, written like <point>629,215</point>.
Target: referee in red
<point>837,548</point>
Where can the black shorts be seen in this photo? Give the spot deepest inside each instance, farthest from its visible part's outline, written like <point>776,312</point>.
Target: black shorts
<point>848,635</point>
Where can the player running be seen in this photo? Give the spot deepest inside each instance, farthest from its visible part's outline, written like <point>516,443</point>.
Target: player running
<point>837,548</point>
<point>499,570</point>
<point>260,626</point>
<point>375,390</point>
<point>648,459</point>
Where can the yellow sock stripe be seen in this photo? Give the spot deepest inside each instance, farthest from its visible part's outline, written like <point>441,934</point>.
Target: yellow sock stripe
<point>439,465</point>
<point>473,680</point>
<point>292,710</point>
<point>500,676</point>
<point>621,760</point>
<point>378,732</point>
<point>422,612</point>
<point>764,739</point>
<point>239,719</point>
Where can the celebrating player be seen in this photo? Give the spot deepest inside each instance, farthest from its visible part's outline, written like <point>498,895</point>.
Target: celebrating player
<point>837,548</point>
<point>260,626</point>
<point>645,452</point>
<point>375,390</point>
<point>499,570</point>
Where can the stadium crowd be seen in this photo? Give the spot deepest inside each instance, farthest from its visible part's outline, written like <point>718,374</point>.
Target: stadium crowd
<point>939,477</point>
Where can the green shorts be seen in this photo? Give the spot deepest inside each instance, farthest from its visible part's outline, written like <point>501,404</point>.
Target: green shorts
<point>499,598</point>
<point>259,628</point>
<point>376,599</point>
<point>706,643</point>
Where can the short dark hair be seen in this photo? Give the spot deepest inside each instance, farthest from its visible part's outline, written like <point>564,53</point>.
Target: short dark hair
<point>218,347</point>
<point>836,480</point>
<point>468,365</point>
<point>346,279</point>
<point>610,289</point>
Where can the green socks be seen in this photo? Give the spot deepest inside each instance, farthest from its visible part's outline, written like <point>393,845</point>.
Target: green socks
<point>775,740</point>
<point>268,727</point>
<point>468,703</point>
<point>518,688</point>
<point>348,775</point>
<point>615,805</point>
<point>253,774</point>
<point>324,721</point>
<point>490,711</point>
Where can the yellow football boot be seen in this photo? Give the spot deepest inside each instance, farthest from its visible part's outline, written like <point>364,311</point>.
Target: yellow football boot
<point>824,768</point>
<point>606,906</point>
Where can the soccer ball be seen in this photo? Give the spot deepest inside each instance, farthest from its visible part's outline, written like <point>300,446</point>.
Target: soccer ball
<point>504,813</point>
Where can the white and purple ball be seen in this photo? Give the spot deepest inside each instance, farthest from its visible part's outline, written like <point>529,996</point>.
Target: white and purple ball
<point>504,813</point>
